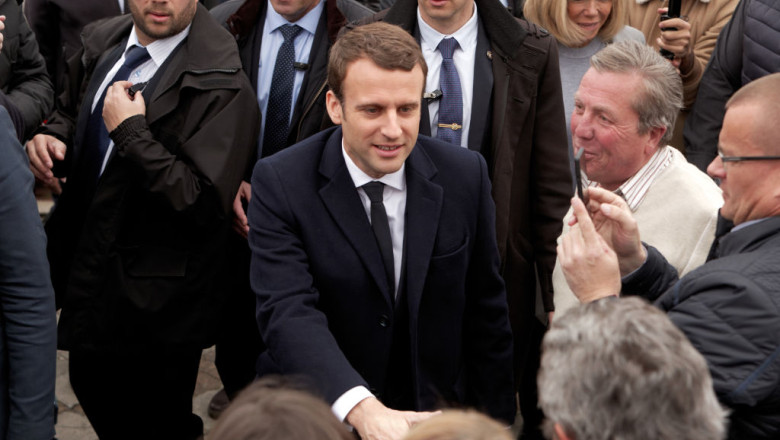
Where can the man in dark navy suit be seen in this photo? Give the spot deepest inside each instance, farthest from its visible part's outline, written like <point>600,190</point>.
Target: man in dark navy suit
<point>374,257</point>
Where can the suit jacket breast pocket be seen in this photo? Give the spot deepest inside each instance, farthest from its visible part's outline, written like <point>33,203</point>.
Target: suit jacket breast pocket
<point>154,276</point>
<point>447,269</point>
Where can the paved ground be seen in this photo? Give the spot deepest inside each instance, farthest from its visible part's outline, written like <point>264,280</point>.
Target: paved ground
<point>72,424</point>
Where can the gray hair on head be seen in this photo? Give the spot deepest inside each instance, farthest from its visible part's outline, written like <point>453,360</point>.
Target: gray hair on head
<point>620,369</point>
<point>661,98</point>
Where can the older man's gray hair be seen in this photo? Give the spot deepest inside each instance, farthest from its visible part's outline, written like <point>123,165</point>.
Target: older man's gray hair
<point>620,369</point>
<point>661,100</point>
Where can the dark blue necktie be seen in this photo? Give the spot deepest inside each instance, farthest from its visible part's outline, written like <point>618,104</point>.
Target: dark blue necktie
<point>277,114</point>
<point>381,227</point>
<point>451,105</point>
<point>96,138</point>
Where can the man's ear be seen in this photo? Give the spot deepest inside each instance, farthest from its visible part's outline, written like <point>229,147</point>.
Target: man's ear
<point>656,133</point>
<point>334,107</point>
<point>560,433</point>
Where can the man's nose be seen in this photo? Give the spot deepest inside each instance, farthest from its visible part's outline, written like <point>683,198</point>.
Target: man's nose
<point>716,169</point>
<point>391,129</point>
<point>581,127</point>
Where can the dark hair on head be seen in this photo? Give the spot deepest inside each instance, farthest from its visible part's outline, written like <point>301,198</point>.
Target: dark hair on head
<point>386,45</point>
<point>276,408</point>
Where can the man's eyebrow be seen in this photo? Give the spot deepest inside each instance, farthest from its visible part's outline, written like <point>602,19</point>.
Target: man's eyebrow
<point>366,105</point>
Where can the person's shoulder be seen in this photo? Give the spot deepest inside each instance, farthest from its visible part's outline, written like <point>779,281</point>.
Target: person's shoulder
<point>533,29</point>
<point>308,151</point>
<point>449,159</point>
<point>107,29</point>
<point>520,40</point>
<point>223,11</point>
<point>685,175</point>
<point>445,150</point>
<point>629,33</point>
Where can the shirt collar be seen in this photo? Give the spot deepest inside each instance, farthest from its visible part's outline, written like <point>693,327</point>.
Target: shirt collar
<point>748,223</point>
<point>466,35</point>
<point>396,180</point>
<point>308,22</point>
<point>635,188</point>
<point>159,50</point>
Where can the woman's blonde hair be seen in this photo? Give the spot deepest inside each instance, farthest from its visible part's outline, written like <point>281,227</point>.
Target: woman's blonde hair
<point>552,15</point>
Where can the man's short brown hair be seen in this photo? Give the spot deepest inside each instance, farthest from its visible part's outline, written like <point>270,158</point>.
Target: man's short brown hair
<point>386,45</point>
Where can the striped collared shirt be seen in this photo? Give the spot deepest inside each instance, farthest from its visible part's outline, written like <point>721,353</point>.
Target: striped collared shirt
<point>635,188</point>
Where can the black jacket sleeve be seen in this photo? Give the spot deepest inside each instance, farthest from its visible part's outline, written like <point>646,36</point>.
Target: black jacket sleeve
<point>719,81</point>
<point>23,75</point>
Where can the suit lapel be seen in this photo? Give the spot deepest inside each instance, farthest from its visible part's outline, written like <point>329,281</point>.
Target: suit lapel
<point>318,60</point>
<point>483,88</point>
<point>423,208</point>
<point>250,51</point>
<point>103,67</point>
<point>500,97</point>
<point>425,119</point>
<point>340,197</point>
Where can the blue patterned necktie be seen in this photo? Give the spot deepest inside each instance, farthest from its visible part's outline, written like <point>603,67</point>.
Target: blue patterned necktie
<point>277,114</point>
<point>451,105</point>
<point>96,138</point>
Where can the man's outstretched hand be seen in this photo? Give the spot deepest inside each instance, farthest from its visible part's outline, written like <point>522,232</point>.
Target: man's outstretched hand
<point>374,421</point>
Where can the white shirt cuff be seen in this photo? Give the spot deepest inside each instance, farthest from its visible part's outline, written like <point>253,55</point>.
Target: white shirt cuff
<point>344,404</point>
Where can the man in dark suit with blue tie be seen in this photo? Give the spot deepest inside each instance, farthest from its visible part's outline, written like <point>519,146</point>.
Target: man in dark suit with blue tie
<point>374,258</point>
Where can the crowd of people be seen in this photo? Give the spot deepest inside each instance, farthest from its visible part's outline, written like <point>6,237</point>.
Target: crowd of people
<point>369,207</point>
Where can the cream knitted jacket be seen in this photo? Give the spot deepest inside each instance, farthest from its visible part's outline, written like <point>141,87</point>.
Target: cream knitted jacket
<point>677,216</point>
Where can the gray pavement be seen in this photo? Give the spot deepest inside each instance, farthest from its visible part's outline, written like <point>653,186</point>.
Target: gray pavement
<point>72,424</point>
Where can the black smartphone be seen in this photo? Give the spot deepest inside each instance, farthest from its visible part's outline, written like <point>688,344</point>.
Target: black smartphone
<point>135,88</point>
<point>578,176</point>
<point>673,11</point>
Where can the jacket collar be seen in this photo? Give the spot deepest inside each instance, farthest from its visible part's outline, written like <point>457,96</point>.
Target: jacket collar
<point>245,18</point>
<point>332,161</point>
<point>503,30</point>
<point>750,237</point>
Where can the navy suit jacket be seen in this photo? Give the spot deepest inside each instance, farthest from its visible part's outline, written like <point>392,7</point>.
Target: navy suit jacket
<point>28,323</point>
<point>324,306</point>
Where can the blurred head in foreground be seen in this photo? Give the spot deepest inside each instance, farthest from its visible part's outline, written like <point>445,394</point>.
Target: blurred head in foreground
<point>620,369</point>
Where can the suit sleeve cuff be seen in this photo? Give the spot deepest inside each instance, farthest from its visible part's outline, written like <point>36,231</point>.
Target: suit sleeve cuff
<point>344,404</point>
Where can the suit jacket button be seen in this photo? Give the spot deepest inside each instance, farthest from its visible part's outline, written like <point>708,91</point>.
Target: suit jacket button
<point>384,321</point>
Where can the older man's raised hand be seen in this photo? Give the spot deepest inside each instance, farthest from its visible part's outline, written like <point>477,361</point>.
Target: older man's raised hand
<point>612,219</point>
<point>588,262</point>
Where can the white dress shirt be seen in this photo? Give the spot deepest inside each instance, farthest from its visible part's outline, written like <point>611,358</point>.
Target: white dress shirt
<point>463,57</point>
<point>394,199</point>
<point>269,49</point>
<point>122,6</point>
<point>159,51</point>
